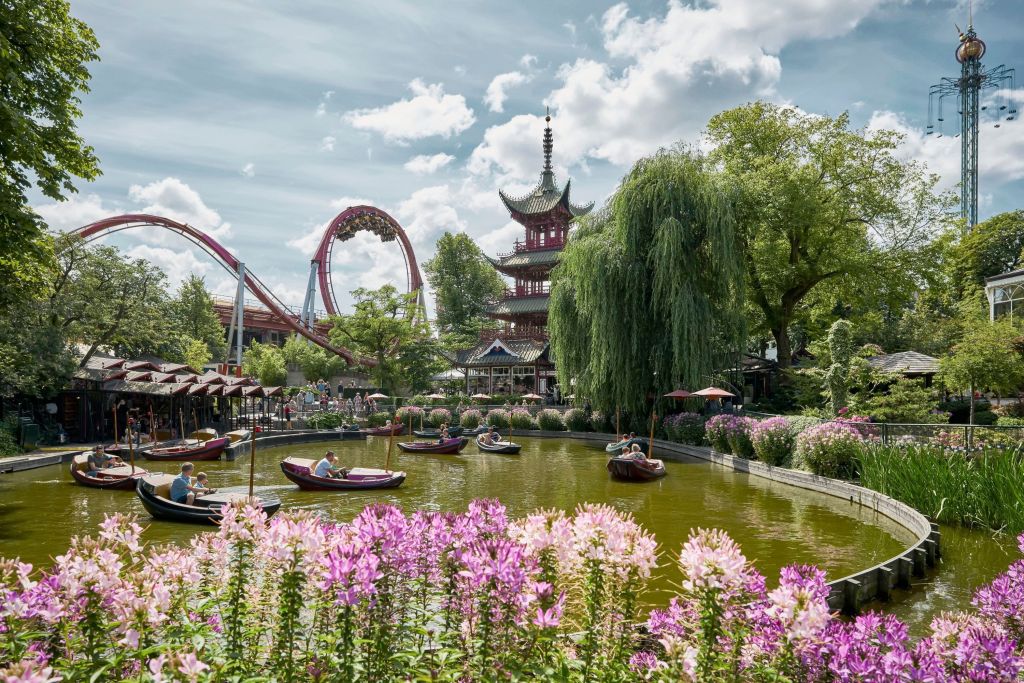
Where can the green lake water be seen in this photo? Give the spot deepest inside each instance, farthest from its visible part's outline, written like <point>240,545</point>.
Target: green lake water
<point>776,525</point>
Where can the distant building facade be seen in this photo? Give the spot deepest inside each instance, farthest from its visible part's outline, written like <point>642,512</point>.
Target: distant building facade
<point>515,357</point>
<point>1005,294</point>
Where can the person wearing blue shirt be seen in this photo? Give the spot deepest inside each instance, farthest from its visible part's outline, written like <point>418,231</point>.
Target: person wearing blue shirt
<point>327,468</point>
<point>182,490</point>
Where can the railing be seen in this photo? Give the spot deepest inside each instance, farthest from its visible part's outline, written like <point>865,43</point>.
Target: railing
<point>529,332</point>
<point>520,246</point>
<point>524,293</point>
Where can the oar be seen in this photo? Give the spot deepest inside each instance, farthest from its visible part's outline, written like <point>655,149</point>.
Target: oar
<point>650,444</point>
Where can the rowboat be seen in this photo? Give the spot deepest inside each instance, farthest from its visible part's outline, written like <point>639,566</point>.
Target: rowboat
<point>154,491</point>
<point>121,449</point>
<point>502,447</point>
<point>436,433</point>
<point>632,469</point>
<point>204,434</point>
<point>209,450</point>
<point>300,471</point>
<point>384,431</point>
<point>625,443</point>
<point>449,447</point>
<point>120,478</point>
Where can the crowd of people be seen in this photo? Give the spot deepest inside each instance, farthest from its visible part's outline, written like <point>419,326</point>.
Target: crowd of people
<point>317,396</point>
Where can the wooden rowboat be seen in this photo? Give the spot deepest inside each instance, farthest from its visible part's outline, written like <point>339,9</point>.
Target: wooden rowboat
<point>121,449</point>
<point>238,436</point>
<point>204,434</point>
<point>209,450</point>
<point>154,491</point>
<point>384,431</point>
<point>116,478</point>
<point>449,447</point>
<point>300,471</point>
<point>436,434</point>
<point>501,447</point>
<point>631,469</point>
<point>626,443</point>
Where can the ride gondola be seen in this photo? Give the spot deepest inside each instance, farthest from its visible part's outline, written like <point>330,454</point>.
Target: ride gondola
<point>155,493</point>
<point>500,447</point>
<point>207,450</point>
<point>626,443</point>
<point>300,472</point>
<point>634,469</point>
<point>120,478</point>
<point>448,447</point>
<point>436,433</point>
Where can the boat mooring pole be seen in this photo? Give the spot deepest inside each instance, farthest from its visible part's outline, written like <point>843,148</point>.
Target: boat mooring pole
<point>131,448</point>
<point>252,459</point>
<point>391,442</point>
<point>650,444</point>
<point>181,423</point>
<point>117,439</point>
<point>618,432</point>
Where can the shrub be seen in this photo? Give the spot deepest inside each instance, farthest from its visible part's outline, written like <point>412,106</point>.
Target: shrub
<point>830,449</point>
<point>9,436</point>
<point>717,431</point>
<point>576,420</point>
<point>799,423</point>
<point>550,420</point>
<point>521,419</point>
<point>471,418</point>
<point>773,440</point>
<point>738,435</point>
<point>498,418</point>
<point>405,412</point>
<point>325,420</point>
<point>440,415</point>
<point>378,419</point>
<point>685,428</point>
<point>599,422</point>
<point>960,411</point>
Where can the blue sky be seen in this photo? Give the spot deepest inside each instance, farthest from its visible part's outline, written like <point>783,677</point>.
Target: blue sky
<point>260,121</point>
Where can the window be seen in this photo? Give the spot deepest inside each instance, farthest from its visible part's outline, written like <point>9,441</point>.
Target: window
<point>1006,299</point>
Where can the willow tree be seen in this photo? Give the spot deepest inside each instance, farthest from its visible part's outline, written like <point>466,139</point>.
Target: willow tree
<point>648,293</point>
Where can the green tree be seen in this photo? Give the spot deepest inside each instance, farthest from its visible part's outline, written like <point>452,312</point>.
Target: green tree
<point>822,205</point>
<point>314,361</point>
<point>985,357</point>
<point>648,293</point>
<point>266,363</point>
<point>837,377</point>
<point>992,247</point>
<point>194,316</point>
<point>100,298</point>
<point>464,283</point>
<point>43,56</point>
<point>193,353</point>
<point>379,327</point>
<point>417,361</point>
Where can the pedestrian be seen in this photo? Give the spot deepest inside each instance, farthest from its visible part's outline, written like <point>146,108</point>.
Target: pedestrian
<point>288,415</point>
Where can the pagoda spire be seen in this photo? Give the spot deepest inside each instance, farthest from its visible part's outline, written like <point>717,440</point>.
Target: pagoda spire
<point>548,175</point>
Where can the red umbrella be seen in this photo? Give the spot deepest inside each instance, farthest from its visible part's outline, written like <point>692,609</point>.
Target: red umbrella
<point>678,393</point>
<point>713,393</point>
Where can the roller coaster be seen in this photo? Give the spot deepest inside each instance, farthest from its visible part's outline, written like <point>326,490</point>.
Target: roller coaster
<point>344,227</point>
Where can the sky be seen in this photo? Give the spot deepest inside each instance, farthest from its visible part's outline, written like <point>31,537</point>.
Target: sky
<point>258,122</point>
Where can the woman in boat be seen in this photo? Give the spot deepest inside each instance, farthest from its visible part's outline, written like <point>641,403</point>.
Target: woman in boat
<point>443,436</point>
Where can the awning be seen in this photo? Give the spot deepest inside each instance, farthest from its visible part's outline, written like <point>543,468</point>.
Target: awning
<point>235,390</point>
<point>163,377</point>
<point>212,389</point>
<point>273,391</point>
<point>139,365</point>
<point>145,388</point>
<point>198,389</point>
<point>256,391</point>
<point>139,376</point>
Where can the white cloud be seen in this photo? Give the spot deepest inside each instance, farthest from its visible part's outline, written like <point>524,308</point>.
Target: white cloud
<point>429,112</point>
<point>321,110</point>
<point>423,164</point>
<point>571,27</point>
<point>496,93</point>
<point>74,212</point>
<point>428,212</point>
<point>679,69</point>
<point>500,239</point>
<point>528,61</point>
<point>327,144</point>
<point>177,263</point>
<point>172,198</point>
<point>249,170</point>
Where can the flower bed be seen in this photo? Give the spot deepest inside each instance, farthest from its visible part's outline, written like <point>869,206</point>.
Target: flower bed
<point>471,418</point>
<point>498,418</point>
<point>521,419</point>
<point>576,420</point>
<point>685,428</point>
<point>717,431</point>
<point>550,420</point>
<point>439,416</point>
<point>468,596</point>
<point>829,449</point>
<point>773,441</point>
<point>405,412</point>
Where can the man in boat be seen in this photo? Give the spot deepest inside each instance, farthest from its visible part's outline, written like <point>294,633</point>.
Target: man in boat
<point>328,468</point>
<point>488,437</point>
<point>642,460</point>
<point>182,489</point>
<point>100,460</point>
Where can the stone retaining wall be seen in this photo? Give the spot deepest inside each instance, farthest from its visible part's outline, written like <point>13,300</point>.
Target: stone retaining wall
<point>847,594</point>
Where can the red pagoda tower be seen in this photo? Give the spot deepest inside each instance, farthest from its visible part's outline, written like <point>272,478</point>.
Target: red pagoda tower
<point>514,359</point>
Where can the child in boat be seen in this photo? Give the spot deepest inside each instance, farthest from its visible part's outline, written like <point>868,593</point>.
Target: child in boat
<point>202,485</point>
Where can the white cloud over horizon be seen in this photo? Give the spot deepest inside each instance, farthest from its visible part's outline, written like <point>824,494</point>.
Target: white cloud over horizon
<point>423,164</point>
<point>428,113</point>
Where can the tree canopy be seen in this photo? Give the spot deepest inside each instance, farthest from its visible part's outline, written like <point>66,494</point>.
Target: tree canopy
<point>266,363</point>
<point>194,316</point>
<point>648,293</point>
<point>44,53</point>
<point>464,283</point>
<point>827,214</point>
<point>992,247</point>
<point>315,362</point>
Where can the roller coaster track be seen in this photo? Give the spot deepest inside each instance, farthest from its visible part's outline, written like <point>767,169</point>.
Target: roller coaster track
<point>342,228</point>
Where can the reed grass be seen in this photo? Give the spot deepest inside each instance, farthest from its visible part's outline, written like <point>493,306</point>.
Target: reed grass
<point>982,489</point>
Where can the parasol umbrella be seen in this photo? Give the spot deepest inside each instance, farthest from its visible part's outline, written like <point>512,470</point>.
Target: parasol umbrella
<point>378,396</point>
<point>713,393</point>
<point>532,397</point>
<point>481,396</point>
<point>435,396</point>
<point>679,393</point>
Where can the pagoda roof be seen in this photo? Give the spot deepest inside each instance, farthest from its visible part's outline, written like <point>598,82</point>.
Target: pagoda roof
<point>544,198</point>
<point>501,352</point>
<point>523,259</point>
<point>516,305</point>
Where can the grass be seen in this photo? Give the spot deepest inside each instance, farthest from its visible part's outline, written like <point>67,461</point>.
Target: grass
<point>985,489</point>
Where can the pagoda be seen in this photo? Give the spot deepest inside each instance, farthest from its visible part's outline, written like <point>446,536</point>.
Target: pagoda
<point>514,357</point>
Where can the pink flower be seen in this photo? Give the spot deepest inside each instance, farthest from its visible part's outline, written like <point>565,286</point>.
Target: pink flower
<point>710,560</point>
